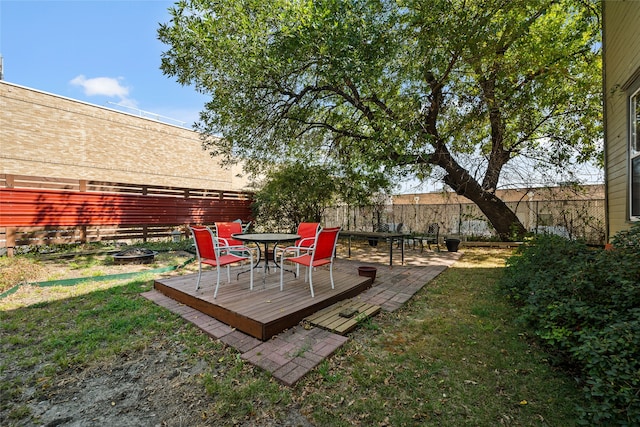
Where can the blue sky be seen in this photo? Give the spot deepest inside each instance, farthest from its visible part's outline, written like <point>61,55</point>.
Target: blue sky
<point>101,52</point>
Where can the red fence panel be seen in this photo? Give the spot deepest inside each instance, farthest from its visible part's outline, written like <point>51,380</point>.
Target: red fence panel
<point>38,210</point>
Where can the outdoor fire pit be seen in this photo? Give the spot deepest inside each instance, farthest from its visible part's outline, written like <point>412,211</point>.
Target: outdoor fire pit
<point>134,256</point>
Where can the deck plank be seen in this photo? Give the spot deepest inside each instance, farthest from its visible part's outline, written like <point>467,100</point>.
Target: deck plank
<point>330,318</point>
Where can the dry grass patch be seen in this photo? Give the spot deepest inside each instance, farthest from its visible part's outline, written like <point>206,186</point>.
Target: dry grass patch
<point>18,270</point>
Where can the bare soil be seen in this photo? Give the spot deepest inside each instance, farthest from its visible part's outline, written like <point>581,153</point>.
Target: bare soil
<point>154,386</point>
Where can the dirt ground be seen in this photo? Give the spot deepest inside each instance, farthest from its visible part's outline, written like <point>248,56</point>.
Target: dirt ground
<point>150,387</point>
<point>155,386</point>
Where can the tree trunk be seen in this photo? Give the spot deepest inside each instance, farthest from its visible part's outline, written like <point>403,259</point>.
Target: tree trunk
<point>504,220</point>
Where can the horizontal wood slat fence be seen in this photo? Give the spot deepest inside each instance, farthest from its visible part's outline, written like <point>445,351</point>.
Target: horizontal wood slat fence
<point>41,211</point>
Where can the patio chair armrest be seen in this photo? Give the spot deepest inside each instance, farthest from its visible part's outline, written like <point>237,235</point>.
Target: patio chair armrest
<point>302,242</point>
<point>236,249</point>
<point>294,248</point>
<point>222,246</point>
<point>423,237</point>
<point>297,250</point>
<point>221,242</point>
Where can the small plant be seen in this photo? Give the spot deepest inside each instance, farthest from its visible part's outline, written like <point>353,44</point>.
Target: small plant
<point>367,322</point>
<point>302,350</point>
<point>628,240</point>
<point>19,412</point>
<point>325,372</point>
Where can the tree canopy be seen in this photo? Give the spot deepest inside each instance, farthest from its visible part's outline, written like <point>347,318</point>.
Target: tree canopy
<point>381,88</point>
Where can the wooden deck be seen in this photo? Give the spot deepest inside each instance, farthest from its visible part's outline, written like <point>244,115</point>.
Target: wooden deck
<point>265,311</point>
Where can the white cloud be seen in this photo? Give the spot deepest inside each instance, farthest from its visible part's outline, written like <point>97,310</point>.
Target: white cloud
<point>106,86</point>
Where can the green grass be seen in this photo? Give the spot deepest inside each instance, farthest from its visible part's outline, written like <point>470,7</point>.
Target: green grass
<point>452,356</point>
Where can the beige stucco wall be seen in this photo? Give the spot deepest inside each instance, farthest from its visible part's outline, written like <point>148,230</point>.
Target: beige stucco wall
<point>585,192</point>
<point>621,61</point>
<point>47,135</point>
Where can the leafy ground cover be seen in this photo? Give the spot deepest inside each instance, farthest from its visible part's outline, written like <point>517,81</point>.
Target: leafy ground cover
<point>584,304</point>
<point>452,356</point>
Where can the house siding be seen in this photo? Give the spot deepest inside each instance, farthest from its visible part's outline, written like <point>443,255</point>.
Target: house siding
<point>48,135</point>
<point>621,60</point>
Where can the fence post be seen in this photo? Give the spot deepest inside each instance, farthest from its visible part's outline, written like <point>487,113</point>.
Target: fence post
<point>11,240</point>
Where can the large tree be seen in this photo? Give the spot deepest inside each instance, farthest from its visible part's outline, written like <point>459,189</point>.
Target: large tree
<point>403,88</point>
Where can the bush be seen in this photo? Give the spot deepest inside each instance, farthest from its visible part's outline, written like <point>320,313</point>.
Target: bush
<point>585,304</point>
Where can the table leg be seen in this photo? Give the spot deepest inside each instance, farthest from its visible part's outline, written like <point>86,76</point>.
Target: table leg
<point>266,257</point>
<point>259,255</point>
<point>266,264</point>
<point>253,266</point>
<point>275,258</point>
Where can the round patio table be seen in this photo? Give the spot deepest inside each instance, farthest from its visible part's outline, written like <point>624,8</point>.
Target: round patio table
<point>266,239</point>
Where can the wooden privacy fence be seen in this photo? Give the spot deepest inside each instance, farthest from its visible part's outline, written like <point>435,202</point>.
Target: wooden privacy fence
<point>39,211</point>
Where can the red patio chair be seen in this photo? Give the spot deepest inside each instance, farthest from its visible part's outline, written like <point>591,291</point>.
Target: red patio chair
<point>307,232</point>
<point>210,251</point>
<point>224,230</point>
<point>321,253</point>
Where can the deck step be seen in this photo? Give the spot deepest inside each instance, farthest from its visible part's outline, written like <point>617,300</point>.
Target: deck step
<point>343,316</point>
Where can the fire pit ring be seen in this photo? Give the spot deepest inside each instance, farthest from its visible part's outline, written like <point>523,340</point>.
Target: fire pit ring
<point>135,256</point>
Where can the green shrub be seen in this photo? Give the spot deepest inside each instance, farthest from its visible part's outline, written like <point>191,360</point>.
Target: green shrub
<point>608,357</point>
<point>585,304</point>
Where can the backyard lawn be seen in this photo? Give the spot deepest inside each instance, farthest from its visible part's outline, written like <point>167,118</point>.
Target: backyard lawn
<point>454,355</point>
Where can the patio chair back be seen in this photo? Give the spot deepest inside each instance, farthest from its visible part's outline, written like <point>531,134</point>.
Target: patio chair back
<point>325,246</point>
<point>431,236</point>
<point>307,232</point>
<point>205,243</point>
<point>433,232</point>
<point>224,230</point>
